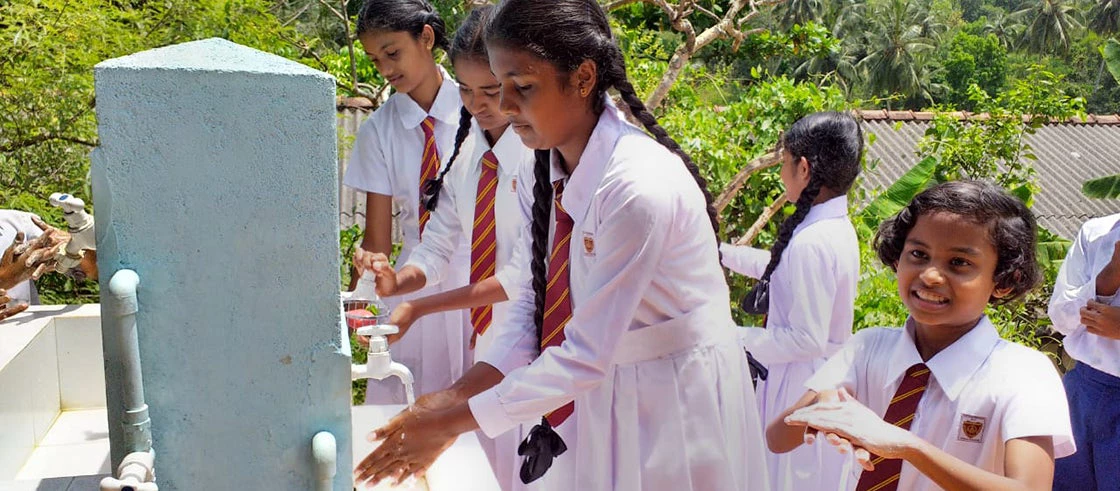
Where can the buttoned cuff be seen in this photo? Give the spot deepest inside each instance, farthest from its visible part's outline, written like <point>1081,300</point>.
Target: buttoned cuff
<point>508,358</point>
<point>748,338</point>
<point>486,407</point>
<point>1110,299</point>
<point>509,277</point>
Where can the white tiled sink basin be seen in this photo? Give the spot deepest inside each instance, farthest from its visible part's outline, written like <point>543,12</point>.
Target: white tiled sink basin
<point>54,428</point>
<point>463,467</point>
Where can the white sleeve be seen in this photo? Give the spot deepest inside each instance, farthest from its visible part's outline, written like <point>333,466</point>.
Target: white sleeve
<point>515,341</point>
<point>1038,406</point>
<point>443,233</point>
<point>368,169</point>
<point>841,369</point>
<point>808,268</point>
<point>744,260</point>
<point>632,238</point>
<point>1073,288</point>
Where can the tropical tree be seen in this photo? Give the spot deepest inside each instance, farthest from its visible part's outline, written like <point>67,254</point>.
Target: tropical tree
<point>894,63</point>
<point>1049,26</point>
<point>1005,27</point>
<point>800,12</point>
<point>972,60</point>
<point>1104,17</point>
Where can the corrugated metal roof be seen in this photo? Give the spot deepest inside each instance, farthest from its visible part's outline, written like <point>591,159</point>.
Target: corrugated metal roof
<point>1068,155</point>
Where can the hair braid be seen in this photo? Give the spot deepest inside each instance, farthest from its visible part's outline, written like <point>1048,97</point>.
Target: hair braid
<point>433,187</point>
<point>616,76</point>
<point>785,232</point>
<point>542,204</point>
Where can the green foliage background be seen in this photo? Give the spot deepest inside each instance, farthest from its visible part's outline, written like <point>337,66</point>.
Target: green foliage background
<point>1004,57</point>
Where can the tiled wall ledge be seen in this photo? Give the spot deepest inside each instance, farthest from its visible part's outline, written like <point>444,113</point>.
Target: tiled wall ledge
<point>50,361</point>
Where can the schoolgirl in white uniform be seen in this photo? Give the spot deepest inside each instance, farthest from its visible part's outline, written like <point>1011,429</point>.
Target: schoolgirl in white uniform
<point>808,283</point>
<point>398,149</point>
<point>943,402</point>
<point>640,383</point>
<point>479,201</point>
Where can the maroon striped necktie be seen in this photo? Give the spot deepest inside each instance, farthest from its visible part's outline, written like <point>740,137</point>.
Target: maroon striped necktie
<point>484,239</point>
<point>900,413</point>
<point>557,297</point>
<point>429,166</point>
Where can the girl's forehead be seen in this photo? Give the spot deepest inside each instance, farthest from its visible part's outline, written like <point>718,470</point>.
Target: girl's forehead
<point>380,39</point>
<point>509,61</point>
<point>953,230</point>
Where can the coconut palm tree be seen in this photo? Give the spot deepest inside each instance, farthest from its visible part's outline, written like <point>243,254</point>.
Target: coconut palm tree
<point>800,12</point>
<point>1049,25</point>
<point>1006,28</point>
<point>1104,17</point>
<point>895,49</point>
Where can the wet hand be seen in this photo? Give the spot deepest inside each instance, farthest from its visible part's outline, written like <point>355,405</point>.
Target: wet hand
<point>410,442</point>
<point>23,261</point>
<point>853,427</point>
<point>403,316</point>
<point>1101,319</point>
<point>6,310</point>
<point>379,265</point>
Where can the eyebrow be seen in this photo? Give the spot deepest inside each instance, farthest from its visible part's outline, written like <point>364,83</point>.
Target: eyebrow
<point>484,87</point>
<point>971,251</point>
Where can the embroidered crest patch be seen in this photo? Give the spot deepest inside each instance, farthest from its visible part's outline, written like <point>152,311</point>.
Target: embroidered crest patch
<point>972,428</point>
<point>588,244</point>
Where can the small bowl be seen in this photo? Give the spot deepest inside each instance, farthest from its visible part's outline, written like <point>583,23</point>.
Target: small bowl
<point>362,317</point>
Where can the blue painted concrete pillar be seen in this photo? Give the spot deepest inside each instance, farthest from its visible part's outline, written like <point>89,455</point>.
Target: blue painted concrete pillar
<point>216,182</point>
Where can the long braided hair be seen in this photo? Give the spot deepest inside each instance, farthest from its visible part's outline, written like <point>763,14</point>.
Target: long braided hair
<point>832,143</point>
<point>565,33</point>
<point>468,44</point>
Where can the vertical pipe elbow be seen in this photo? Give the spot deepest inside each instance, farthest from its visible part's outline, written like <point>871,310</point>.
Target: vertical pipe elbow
<point>324,451</point>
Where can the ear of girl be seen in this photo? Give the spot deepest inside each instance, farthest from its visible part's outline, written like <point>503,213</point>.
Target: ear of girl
<point>399,36</point>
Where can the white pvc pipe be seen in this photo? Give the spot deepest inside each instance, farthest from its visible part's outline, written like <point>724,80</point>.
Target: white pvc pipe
<point>324,450</point>
<point>122,320</point>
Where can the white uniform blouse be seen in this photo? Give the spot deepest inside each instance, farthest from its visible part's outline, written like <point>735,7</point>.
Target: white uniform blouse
<point>1009,390</point>
<point>1076,285</point>
<point>453,221</point>
<point>811,291</point>
<point>663,398</point>
<point>387,151</point>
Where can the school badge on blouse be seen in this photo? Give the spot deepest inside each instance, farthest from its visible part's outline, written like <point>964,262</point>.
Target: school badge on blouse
<point>972,428</point>
<point>588,244</point>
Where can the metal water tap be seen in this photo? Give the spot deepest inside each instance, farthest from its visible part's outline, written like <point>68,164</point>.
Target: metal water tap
<point>81,229</point>
<point>379,364</point>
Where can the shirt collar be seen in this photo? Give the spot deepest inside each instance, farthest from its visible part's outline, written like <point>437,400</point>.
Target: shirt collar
<point>445,108</point>
<point>508,149</point>
<point>834,208</point>
<point>953,366</point>
<point>585,180</point>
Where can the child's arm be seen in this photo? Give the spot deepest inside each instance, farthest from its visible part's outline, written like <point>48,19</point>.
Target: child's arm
<point>1028,461</point>
<point>1073,287</point>
<point>804,333</point>
<point>781,437</point>
<point>485,292</point>
<point>744,260</point>
<point>379,229</point>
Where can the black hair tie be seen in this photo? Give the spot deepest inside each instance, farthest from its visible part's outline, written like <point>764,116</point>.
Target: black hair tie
<point>757,301</point>
<point>432,189</point>
<point>539,449</point>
